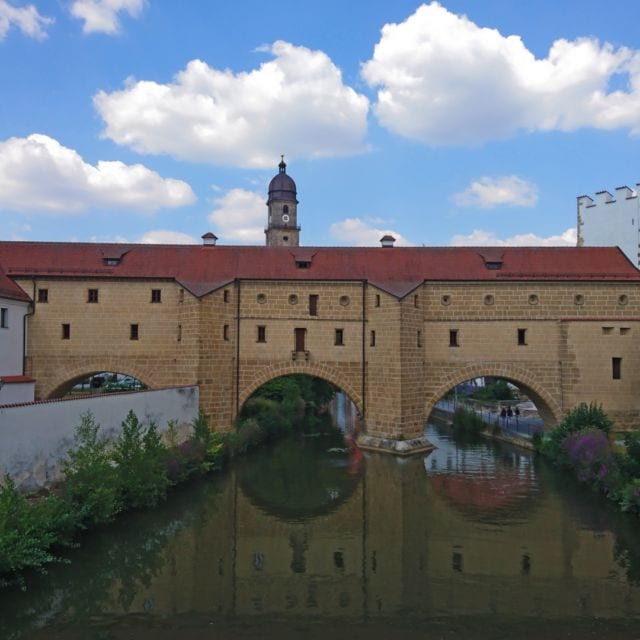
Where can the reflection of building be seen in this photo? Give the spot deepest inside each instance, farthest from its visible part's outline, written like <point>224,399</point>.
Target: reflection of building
<point>394,548</point>
<point>611,222</point>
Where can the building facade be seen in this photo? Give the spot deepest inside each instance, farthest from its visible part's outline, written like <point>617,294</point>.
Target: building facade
<point>395,328</point>
<point>610,221</point>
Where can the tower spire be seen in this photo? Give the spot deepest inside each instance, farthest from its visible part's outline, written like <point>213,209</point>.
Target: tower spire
<point>283,165</point>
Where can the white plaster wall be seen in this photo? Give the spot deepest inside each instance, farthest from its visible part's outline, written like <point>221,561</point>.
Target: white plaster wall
<point>19,392</point>
<point>610,222</point>
<point>11,338</point>
<point>35,438</point>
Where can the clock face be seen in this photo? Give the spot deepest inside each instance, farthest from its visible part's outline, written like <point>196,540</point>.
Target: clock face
<point>285,218</point>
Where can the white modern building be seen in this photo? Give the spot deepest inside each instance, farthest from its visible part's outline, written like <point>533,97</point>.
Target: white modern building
<point>611,221</point>
<point>14,306</point>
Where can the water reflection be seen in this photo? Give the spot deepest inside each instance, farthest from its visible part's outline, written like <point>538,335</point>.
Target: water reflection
<point>470,532</point>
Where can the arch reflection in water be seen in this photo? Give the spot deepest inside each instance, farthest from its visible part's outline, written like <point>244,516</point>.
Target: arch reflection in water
<point>391,549</point>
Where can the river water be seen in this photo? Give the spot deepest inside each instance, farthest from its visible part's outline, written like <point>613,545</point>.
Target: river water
<point>304,539</point>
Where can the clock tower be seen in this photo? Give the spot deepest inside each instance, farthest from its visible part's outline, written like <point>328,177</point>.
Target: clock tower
<point>282,227</point>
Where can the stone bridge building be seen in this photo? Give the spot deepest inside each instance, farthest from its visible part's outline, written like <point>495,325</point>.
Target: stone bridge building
<point>395,328</point>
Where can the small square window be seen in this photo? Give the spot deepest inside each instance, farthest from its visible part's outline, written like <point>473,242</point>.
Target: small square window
<point>92,295</point>
<point>339,341</point>
<point>262,333</point>
<point>616,368</point>
<point>156,295</point>
<point>134,333</point>
<point>372,339</point>
<point>625,331</point>
<point>453,338</point>
<point>4,318</point>
<point>607,331</point>
<point>66,332</point>
<point>522,337</point>
<point>43,295</point>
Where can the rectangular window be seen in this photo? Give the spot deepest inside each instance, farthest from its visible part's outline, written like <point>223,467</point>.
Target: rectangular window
<point>43,295</point>
<point>453,338</point>
<point>262,333</point>
<point>625,331</point>
<point>133,332</point>
<point>225,332</point>
<point>377,299</point>
<point>616,368</point>
<point>313,305</point>
<point>607,331</point>
<point>92,295</point>
<point>372,339</point>
<point>419,338</point>
<point>225,295</point>
<point>179,333</point>
<point>415,301</point>
<point>300,339</point>
<point>66,332</point>
<point>181,296</point>
<point>156,295</point>
<point>4,318</point>
<point>522,337</point>
<point>339,337</point>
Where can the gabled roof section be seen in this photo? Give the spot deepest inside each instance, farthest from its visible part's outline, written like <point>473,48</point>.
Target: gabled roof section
<point>10,290</point>
<point>201,270</point>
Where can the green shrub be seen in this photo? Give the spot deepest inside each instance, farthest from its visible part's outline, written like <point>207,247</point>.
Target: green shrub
<point>496,391</point>
<point>28,530</point>
<point>140,457</point>
<point>467,421</point>
<point>91,481</point>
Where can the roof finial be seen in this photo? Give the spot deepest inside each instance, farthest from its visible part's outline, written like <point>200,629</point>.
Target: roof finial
<point>283,165</point>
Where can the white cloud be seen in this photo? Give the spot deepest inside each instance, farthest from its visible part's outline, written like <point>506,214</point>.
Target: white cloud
<point>488,193</point>
<point>164,236</point>
<point>240,216</point>
<point>362,233</point>
<point>38,174</point>
<point>101,16</point>
<point>481,238</point>
<point>27,19</point>
<point>444,80</point>
<point>295,104</point>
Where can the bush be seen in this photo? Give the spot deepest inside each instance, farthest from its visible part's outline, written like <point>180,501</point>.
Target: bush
<point>467,421</point>
<point>589,454</point>
<point>140,457</point>
<point>28,530</point>
<point>91,482</point>
<point>499,390</point>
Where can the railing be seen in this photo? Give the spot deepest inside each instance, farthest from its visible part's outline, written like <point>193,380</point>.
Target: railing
<point>300,355</point>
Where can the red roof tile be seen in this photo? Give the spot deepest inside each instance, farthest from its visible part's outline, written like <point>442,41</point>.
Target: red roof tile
<point>399,270</point>
<point>9,289</point>
<point>16,379</point>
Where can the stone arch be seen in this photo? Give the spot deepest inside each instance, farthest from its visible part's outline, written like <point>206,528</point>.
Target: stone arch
<point>329,374</point>
<point>549,409</point>
<point>67,376</point>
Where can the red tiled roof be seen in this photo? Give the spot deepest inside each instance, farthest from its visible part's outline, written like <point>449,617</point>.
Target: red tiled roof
<point>9,289</point>
<point>202,269</point>
<point>16,379</point>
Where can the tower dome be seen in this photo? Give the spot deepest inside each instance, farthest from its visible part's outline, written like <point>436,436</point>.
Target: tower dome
<point>282,227</point>
<point>282,186</point>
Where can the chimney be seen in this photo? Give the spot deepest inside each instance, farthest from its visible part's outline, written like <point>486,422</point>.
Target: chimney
<point>387,241</point>
<point>209,239</point>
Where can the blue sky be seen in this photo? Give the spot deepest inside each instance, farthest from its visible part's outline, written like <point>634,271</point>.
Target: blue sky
<point>464,122</point>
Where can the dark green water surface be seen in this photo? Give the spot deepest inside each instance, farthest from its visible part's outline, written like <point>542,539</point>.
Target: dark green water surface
<point>304,540</point>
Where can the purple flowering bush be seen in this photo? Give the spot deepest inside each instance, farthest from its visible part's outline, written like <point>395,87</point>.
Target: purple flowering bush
<point>590,455</point>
